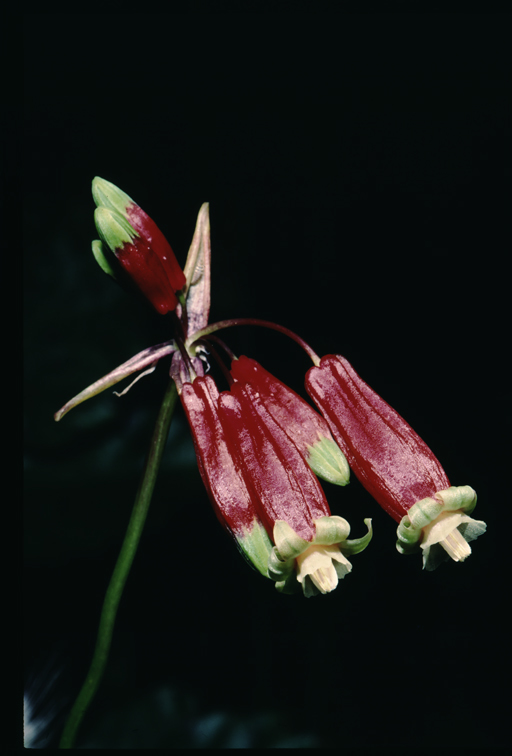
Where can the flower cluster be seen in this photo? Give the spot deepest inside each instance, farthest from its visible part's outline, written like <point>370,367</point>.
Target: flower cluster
<point>261,448</point>
<point>257,446</point>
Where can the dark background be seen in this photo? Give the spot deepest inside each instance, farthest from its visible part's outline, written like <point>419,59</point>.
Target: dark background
<point>357,168</point>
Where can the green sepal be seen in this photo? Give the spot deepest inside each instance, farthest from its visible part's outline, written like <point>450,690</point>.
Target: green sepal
<point>279,569</point>
<point>330,529</point>
<point>408,538</point>
<point>459,497</point>
<point>425,511</point>
<point>283,573</point>
<point>289,544</point>
<point>100,257</point>
<point>328,462</point>
<point>356,545</point>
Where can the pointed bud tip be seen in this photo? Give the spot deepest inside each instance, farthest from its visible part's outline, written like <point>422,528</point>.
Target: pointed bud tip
<point>106,194</point>
<point>100,257</point>
<point>113,228</point>
<point>328,462</point>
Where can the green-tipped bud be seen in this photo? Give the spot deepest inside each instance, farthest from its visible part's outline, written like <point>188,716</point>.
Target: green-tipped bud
<point>110,196</point>
<point>113,228</point>
<point>328,462</point>
<point>139,245</point>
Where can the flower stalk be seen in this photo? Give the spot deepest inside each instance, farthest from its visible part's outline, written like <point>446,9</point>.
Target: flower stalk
<point>213,327</point>
<point>122,568</point>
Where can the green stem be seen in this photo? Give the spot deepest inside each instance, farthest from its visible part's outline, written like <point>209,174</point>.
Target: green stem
<point>122,568</point>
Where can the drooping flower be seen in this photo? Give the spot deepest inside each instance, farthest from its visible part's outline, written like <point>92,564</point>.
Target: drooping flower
<point>310,545</point>
<point>220,468</point>
<point>395,465</point>
<point>138,244</point>
<point>306,428</point>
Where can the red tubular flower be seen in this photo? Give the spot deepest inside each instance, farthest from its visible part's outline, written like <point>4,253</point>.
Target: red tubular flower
<point>220,468</point>
<point>138,244</point>
<point>289,499</point>
<point>306,428</point>
<point>395,465</point>
<point>264,492</point>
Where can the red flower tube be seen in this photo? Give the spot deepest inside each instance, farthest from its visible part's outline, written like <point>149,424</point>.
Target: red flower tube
<point>310,543</point>
<point>306,428</point>
<point>138,244</point>
<point>395,465</point>
<point>220,468</point>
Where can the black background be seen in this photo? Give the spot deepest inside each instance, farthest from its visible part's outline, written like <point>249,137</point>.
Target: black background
<point>357,168</point>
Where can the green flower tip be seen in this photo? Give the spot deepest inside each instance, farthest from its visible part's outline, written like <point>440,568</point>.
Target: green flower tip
<point>100,257</point>
<point>113,228</point>
<point>328,462</point>
<point>110,196</point>
<point>256,547</point>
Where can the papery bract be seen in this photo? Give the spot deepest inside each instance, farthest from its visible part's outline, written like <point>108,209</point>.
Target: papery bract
<point>394,464</point>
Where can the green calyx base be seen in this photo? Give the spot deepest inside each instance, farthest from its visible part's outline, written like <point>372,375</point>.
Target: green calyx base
<point>425,511</point>
<point>330,531</point>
